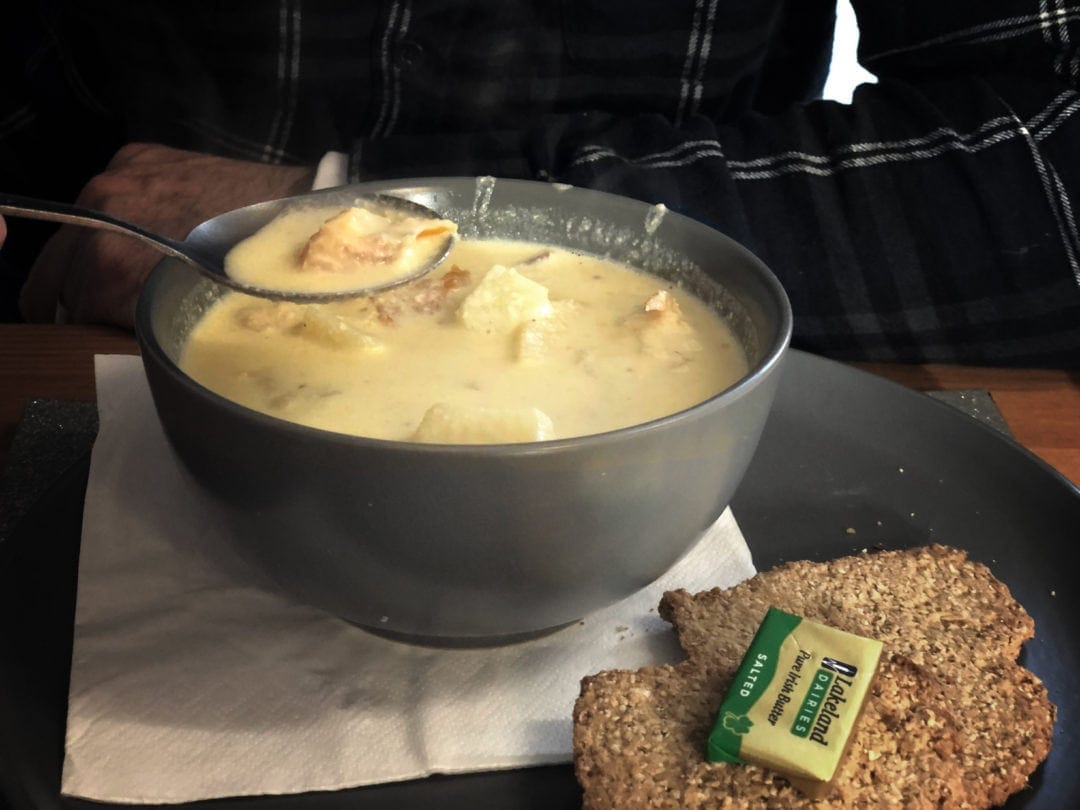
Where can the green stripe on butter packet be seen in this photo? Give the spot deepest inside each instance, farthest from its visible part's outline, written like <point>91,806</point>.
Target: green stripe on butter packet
<point>795,699</point>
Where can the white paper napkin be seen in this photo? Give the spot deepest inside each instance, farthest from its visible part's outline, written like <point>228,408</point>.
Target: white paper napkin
<point>191,679</point>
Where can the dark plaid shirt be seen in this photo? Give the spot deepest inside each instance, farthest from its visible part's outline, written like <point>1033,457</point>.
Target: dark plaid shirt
<point>929,220</point>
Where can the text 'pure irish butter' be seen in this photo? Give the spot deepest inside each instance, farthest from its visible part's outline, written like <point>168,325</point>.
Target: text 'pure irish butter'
<point>795,699</point>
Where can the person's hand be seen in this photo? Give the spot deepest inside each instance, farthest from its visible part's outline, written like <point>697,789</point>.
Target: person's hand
<point>94,275</point>
<point>3,231</point>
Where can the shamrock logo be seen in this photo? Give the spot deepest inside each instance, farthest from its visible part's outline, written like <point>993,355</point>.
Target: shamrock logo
<point>737,723</point>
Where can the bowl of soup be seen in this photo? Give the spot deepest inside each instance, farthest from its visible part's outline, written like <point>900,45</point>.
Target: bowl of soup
<point>534,430</point>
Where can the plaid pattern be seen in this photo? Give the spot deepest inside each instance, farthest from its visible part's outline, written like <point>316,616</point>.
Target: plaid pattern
<point>930,220</point>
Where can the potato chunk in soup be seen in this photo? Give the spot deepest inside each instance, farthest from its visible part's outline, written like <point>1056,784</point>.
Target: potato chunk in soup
<point>496,345</point>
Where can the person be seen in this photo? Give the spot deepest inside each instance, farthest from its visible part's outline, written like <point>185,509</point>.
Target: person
<point>931,219</point>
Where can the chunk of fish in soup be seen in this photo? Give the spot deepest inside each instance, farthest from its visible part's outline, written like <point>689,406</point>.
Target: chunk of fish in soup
<point>496,345</point>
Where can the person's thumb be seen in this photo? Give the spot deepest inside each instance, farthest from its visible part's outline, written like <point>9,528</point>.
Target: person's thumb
<point>40,293</point>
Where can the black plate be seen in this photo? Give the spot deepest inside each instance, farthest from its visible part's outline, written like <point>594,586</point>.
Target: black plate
<point>848,461</point>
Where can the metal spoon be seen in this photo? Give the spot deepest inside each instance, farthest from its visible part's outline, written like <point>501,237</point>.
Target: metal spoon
<point>207,245</point>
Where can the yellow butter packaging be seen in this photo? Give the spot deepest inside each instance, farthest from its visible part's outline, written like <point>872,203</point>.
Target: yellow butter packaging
<point>796,698</point>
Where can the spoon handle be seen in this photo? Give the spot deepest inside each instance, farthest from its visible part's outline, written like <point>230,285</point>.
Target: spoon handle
<point>32,208</point>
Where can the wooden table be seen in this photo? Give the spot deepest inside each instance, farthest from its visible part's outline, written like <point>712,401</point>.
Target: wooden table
<point>1041,408</point>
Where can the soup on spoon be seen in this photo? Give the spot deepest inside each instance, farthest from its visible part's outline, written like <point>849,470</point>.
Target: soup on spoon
<point>313,249</point>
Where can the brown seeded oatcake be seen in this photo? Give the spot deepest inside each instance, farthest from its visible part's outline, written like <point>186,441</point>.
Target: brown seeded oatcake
<point>951,721</point>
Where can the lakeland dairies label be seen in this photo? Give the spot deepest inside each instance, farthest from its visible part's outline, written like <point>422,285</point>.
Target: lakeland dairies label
<point>795,698</point>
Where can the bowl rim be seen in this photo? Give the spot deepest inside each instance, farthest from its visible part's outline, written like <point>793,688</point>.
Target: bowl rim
<point>769,362</point>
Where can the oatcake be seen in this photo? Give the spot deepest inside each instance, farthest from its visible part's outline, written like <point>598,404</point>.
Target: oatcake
<point>952,720</point>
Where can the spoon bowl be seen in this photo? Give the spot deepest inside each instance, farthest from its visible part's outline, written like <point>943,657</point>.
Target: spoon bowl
<point>206,247</point>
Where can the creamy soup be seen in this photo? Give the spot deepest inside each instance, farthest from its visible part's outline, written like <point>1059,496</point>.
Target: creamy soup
<point>503,342</point>
<point>314,249</point>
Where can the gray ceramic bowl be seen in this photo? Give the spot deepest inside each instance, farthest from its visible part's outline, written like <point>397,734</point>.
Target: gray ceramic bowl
<point>480,542</point>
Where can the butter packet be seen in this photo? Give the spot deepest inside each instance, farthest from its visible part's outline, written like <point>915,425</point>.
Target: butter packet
<point>795,699</point>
